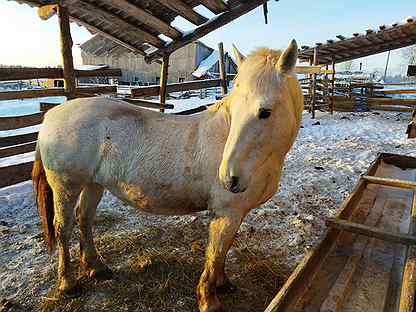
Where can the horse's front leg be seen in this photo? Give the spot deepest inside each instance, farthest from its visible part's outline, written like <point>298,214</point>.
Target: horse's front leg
<point>221,235</point>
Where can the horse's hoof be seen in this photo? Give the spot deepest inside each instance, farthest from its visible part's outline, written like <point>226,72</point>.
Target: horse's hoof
<point>226,288</point>
<point>71,293</point>
<point>215,308</point>
<point>104,274</point>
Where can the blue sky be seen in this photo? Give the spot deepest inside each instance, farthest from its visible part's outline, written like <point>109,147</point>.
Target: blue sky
<point>27,40</point>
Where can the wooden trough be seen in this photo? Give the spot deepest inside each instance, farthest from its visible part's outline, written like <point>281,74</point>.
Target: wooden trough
<point>367,259</point>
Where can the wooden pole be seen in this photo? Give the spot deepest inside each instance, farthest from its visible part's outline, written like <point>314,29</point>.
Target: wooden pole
<point>314,76</point>
<point>387,66</point>
<point>66,50</point>
<point>163,81</point>
<point>223,74</point>
<point>333,86</point>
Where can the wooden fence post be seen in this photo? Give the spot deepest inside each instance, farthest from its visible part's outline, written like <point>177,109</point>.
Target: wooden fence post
<point>314,76</point>
<point>66,50</point>
<point>333,86</point>
<point>223,74</point>
<point>163,81</point>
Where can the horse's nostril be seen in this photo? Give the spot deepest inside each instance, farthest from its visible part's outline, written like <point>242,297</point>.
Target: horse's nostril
<point>234,182</point>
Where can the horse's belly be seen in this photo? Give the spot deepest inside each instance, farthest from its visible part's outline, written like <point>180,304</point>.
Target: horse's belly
<point>164,201</point>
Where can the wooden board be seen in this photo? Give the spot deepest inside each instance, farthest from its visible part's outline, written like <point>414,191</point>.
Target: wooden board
<point>15,122</point>
<point>15,174</point>
<point>354,272</point>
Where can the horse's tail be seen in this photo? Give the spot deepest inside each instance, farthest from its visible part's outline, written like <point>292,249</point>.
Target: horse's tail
<point>44,200</point>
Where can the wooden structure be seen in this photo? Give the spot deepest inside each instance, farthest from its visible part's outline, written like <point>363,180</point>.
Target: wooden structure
<point>135,71</point>
<point>372,41</point>
<point>366,261</point>
<point>139,26</point>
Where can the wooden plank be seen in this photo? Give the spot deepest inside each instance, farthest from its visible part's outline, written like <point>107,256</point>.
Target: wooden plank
<point>215,6</point>
<point>370,231</point>
<point>80,92</point>
<point>11,74</point>
<point>200,31</point>
<point>15,173</point>
<point>389,101</point>
<point>15,122</point>
<point>97,29</point>
<point>147,104</point>
<point>176,87</point>
<point>390,182</point>
<point>18,139</point>
<point>66,52</point>
<point>314,77</point>
<point>17,149</point>
<point>184,10</point>
<point>163,81</point>
<point>223,74</point>
<point>391,108</point>
<point>145,17</point>
<point>399,91</point>
<point>118,22</point>
<point>408,290</point>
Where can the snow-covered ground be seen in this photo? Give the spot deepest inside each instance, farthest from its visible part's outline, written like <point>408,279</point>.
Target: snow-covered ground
<point>320,171</point>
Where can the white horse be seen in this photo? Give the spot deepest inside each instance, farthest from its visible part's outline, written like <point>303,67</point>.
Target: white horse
<point>227,159</point>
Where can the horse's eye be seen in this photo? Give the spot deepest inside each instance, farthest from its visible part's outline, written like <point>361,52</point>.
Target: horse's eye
<point>264,113</point>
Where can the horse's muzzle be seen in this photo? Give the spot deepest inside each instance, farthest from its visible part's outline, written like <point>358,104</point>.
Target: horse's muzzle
<point>233,185</point>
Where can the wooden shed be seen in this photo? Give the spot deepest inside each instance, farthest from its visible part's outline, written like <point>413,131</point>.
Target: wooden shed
<point>135,70</point>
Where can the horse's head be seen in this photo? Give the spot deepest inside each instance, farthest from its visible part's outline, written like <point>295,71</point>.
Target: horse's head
<point>263,119</point>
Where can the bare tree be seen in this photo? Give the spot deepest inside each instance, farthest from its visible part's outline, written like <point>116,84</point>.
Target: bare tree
<point>409,55</point>
<point>348,65</point>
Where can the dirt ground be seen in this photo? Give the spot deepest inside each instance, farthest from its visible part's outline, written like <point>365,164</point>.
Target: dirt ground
<point>157,260</point>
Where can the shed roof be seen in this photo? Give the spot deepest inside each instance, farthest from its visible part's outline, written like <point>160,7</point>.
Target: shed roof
<point>373,41</point>
<point>138,25</point>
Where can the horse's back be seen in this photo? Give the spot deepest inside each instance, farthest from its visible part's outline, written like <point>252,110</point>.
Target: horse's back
<point>74,134</point>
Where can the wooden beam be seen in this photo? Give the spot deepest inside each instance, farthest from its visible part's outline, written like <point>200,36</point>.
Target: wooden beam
<point>16,122</point>
<point>25,73</point>
<point>116,21</point>
<point>163,81</point>
<point>175,87</point>
<point>18,139</point>
<point>390,182</point>
<point>146,18</point>
<point>80,92</point>
<point>215,6</point>
<point>206,28</point>
<point>184,10</point>
<point>15,173</point>
<point>370,231</point>
<point>17,149</point>
<point>66,51</point>
<point>105,34</point>
<point>332,86</point>
<point>408,291</point>
<point>223,74</point>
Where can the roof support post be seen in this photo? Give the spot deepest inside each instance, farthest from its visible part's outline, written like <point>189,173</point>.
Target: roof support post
<point>223,74</point>
<point>332,86</point>
<point>66,51</point>
<point>314,77</point>
<point>163,81</point>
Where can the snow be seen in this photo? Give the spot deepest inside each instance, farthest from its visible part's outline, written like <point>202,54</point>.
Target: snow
<point>320,171</point>
<point>90,67</point>
<point>206,64</point>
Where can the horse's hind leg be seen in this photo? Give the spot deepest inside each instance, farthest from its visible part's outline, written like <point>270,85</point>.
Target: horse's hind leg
<point>90,261</point>
<point>222,232</point>
<point>65,198</point>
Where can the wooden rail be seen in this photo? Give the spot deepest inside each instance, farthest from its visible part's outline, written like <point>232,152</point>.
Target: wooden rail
<point>15,122</point>
<point>390,182</point>
<point>80,92</point>
<point>12,74</point>
<point>15,173</point>
<point>370,231</point>
<point>177,87</point>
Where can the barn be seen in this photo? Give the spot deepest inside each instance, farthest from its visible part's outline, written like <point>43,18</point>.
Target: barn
<point>192,61</point>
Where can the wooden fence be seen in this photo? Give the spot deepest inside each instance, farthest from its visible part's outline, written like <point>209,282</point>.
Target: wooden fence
<point>349,96</point>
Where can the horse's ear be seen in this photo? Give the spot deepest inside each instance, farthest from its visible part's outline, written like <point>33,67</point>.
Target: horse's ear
<point>238,56</point>
<point>288,59</point>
